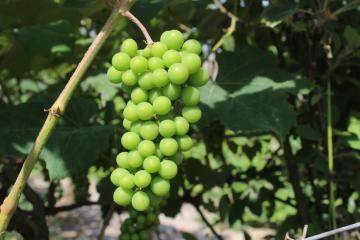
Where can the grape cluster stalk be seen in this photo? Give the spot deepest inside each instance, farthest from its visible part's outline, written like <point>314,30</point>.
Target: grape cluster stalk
<point>162,82</point>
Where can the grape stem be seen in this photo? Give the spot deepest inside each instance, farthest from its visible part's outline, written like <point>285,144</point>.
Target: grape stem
<point>10,203</point>
<point>138,23</point>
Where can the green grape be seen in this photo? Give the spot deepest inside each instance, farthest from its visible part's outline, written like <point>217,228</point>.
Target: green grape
<point>121,61</point>
<point>134,237</point>
<point>130,140</point>
<point>114,75</point>
<point>127,181</point>
<point>124,236</point>
<point>199,79</point>
<point>190,96</point>
<point>154,93</point>
<point>138,64</point>
<point>139,95</point>
<point>185,142</point>
<point>167,128</point>
<point>146,52</point>
<point>172,91</point>
<point>149,130</point>
<point>151,217</point>
<point>178,73</point>
<point>146,148</point>
<point>160,187</point>
<point>144,235</point>
<point>127,124</point>
<point>168,169</point>
<point>117,174</point>
<point>173,39</point>
<point>151,164</point>
<point>140,201</point>
<point>135,127</point>
<point>191,114</point>
<point>158,49</point>
<point>171,57</point>
<point>145,110</point>
<point>158,152</point>
<point>130,113</point>
<point>168,146</point>
<point>160,78</point>
<point>192,62</point>
<point>129,78</point>
<point>129,46</point>
<point>142,179</point>
<point>122,160</point>
<point>135,159</point>
<point>162,105</point>
<point>122,196</point>
<point>126,89</point>
<point>192,46</point>
<point>146,81</point>
<point>141,220</point>
<point>177,158</point>
<point>155,63</point>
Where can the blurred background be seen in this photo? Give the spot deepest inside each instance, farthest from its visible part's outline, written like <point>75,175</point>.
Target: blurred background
<point>259,168</point>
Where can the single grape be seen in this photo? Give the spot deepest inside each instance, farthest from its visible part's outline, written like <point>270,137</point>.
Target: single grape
<point>168,169</point>
<point>135,159</point>
<point>142,179</point>
<point>146,81</point>
<point>177,158</point>
<point>144,235</point>
<point>185,143</point>
<point>129,46</point>
<point>130,113</point>
<point>134,237</point>
<point>121,61</point>
<point>168,146</point>
<point>155,63</point>
<point>135,127</point>
<point>139,95</point>
<point>160,78</point>
<point>138,64</point>
<point>162,105</point>
<point>129,78</point>
<point>171,57</point>
<point>122,160</point>
<point>151,164</point>
<point>145,110</point>
<point>114,75</point>
<point>191,114</point>
<point>182,126</point>
<point>151,217</point>
<point>192,62</point>
<point>127,181</point>
<point>158,49</point>
<point>178,73</point>
<point>146,148</point>
<point>192,46</point>
<point>127,124</point>
<point>141,219</point>
<point>173,39</point>
<point>160,187</point>
<point>146,52</point>
<point>154,93</point>
<point>149,130</point>
<point>200,78</point>
<point>167,128</point>
<point>117,174</point>
<point>158,152</point>
<point>122,196</point>
<point>190,96</point>
<point>172,91</point>
<point>140,201</point>
<point>130,140</point>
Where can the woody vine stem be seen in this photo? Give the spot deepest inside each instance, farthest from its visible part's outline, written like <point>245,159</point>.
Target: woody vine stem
<point>10,203</point>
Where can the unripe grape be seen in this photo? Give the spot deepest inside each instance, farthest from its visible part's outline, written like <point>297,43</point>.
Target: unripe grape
<point>199,79</point>
<point>122,160</point>
<point>151,164</point>
<point>190,96</point>
<point>138,64</point>
<point>168,146</point>
<point>192,62</point>
<point>135,159</point>
<point>114,75</point>
<point>146,52</point>
<point>162,105</point>
<point>173,39</point>
<point>146,81</point>
<point>142,179</point>
<point>158,49</point>
<point>177,158</point>
<point>160,78</point>
<point>139,95</point>
<point>171,57</point>
<point>129,78</point>
<point>130,47</point>
<point>127,181</point>
<point>135,127</point>
<point>130,140</point>
<point>182,126</point>
<point>130,113</point>
<point>185,142</point>
<point>145,110</point>
<point>127,124</point>
<point>121,61</point>
<point>146,148</point>
<point>149,130</point>
<point>160,187</point>
<point>140,201</point>
<point>168,169</point>
<point>117,174</point>
<point>122,196</point>
<point>154,93</point>
<point>155,63</point>
<point>191,114</point>
<point>192,46</point>
<point>178,73</point>
<point>167,128</point>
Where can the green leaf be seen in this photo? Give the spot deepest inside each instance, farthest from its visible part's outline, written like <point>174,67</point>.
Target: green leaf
<point>277,12</point>
<point>147,9</point>
<point>352,37</point>
<point>188,236</point>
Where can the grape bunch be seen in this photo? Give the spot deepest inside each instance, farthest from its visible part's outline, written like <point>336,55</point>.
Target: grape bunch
<point>161,81</point>
<point>139,225</point>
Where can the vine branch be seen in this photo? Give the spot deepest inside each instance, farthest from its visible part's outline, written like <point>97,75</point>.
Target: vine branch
<point>217,235</point>
<point>143,29</point>
<point>10,203</point>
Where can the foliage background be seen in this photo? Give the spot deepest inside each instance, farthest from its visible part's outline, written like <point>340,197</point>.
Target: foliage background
<point>261,155</point>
